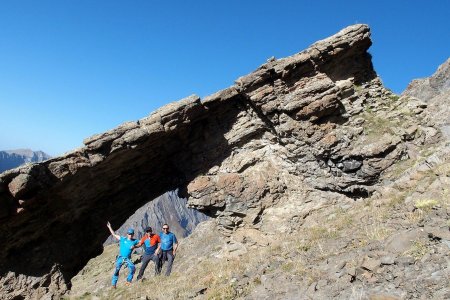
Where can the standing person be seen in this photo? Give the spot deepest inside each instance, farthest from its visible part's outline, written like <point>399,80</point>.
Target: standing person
<point>169,245</point>
<point>152,246</point>
<point>127,244</point>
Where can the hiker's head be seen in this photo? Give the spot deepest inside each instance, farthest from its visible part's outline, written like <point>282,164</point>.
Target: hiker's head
<point>130,232</point>
<point>165,227</point>
<point>148,230</point>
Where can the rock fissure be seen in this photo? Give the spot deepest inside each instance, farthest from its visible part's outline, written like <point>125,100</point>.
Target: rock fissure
<point>264,119</point>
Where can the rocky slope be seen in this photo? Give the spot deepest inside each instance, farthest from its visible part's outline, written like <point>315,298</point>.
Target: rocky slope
<point>10,159</point>
<point>301,146</point>
<point>391,245</point>
<point>428,88</point>
<point>435,91</point>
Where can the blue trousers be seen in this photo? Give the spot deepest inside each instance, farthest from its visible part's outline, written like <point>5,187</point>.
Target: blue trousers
<point>119,263</point>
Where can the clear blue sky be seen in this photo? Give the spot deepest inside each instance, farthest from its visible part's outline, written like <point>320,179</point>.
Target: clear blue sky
<point>73,68</point>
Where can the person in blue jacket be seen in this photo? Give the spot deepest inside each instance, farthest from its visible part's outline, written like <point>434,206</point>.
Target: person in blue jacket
<point>127,245</point>
<point>169,245</point>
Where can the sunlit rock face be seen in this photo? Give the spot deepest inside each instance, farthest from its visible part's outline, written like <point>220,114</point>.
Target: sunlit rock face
<point>430,87</point>
<point>292,127</point>
<point>434,92</point>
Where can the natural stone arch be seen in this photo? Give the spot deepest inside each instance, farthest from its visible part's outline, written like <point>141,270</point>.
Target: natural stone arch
<point>235,153</point>
<point>66,201</point>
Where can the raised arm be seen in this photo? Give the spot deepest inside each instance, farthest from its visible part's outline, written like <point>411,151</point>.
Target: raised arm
<point>116,236</point>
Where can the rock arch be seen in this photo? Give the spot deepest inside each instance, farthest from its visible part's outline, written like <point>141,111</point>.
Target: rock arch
<point>235,153</point>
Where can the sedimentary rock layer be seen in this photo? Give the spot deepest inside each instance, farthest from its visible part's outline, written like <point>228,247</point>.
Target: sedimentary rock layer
<point>293,124</point>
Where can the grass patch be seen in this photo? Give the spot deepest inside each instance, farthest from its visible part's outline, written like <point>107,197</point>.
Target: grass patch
<point>294,267</point>
<point>358,88</point>
<point>443,170</point>
<point>319,232</point>
<point>394,97</point>
<point>225,293</point>
<point>343,219</point>
<point>312,237</point>
<point>376,126</point>
<point>415,216</point>
<point>426,204</point>
<point>418,250</point>
<point>376,232</point>
<point>287,267</point>
<point>397,199</point>
<point>397,169</point>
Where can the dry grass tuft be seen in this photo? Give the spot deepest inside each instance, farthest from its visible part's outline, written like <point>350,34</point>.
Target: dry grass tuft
<point>426,204</point>
<point>418,250</point>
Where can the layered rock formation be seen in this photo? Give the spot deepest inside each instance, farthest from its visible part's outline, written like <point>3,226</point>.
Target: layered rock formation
<point>10,159</point>
<point>320,244</point>
<point>293,129</point>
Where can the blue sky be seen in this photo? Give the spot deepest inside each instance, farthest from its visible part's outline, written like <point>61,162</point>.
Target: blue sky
<point>73,68</point>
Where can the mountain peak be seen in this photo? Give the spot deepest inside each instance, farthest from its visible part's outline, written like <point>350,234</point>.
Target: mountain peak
<point>10,159</point>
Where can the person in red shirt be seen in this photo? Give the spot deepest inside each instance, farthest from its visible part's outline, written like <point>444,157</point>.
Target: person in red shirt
<point>152,249</point>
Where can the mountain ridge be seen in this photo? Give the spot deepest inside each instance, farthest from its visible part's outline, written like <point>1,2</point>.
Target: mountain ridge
<point>168,208</point>
<point>10,159</point>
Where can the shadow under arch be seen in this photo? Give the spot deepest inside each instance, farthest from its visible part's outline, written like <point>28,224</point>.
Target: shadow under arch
<point>66,223</point>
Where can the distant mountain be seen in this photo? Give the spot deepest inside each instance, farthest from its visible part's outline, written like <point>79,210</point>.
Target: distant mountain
<point>167,208</point>
<point>10,159</point>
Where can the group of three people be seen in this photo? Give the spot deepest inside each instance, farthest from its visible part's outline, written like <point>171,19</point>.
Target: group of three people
<point>157,248</point>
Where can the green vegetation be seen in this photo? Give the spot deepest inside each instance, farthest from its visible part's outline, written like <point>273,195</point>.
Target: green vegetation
<point>375,126</point>
<point>394,97</point>
<point>426,204</point>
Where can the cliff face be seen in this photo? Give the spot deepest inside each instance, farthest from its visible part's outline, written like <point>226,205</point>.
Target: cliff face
<point>10,159</point>
<point>168,208</point>
<point>301,127</point>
